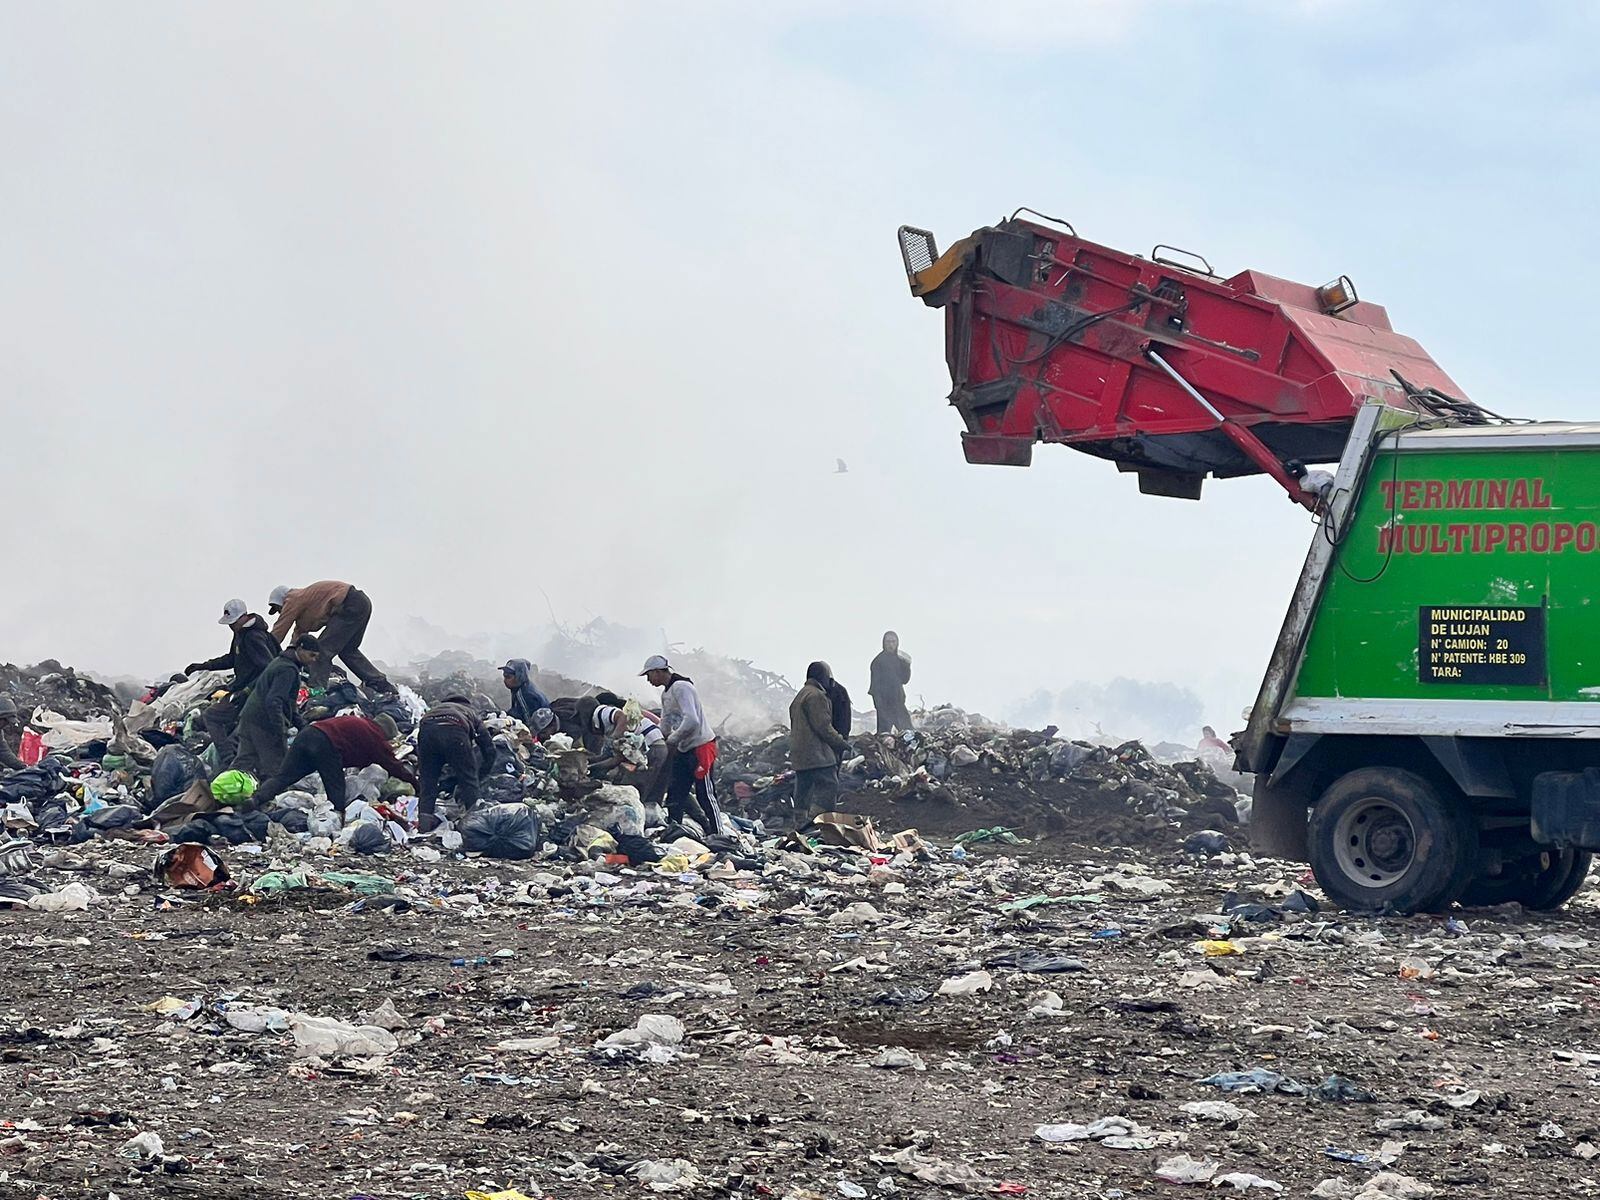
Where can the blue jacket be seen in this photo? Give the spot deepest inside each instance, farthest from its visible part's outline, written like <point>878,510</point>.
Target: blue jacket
<point>526,698</point>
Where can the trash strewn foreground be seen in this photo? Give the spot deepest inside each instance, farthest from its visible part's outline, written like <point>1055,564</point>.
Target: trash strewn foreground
<point>1070,980</point>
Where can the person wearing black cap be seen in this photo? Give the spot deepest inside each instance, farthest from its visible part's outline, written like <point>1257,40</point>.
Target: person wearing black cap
<point>270,710</point>
<point>815,745</point>
<point>451,734</point>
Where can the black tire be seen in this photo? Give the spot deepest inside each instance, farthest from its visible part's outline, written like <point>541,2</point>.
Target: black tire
<point>1383,839</point>
<point>1539,881</point>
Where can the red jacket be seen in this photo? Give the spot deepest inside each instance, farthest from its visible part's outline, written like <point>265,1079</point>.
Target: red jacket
<point>361,743</point>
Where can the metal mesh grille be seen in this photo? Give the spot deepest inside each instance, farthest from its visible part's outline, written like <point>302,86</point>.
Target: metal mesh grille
<point>917,249</point>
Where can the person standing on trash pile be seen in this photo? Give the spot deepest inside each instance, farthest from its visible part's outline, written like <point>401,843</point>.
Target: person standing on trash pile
<point>252,649</point>
<point>891,671</point>
<point>1210,743</point>
<point>340,612</point>
<point>271,709</point>
<point>328,747</point>
<point>10,736</point>
<point>526,698</point>
<point>451,734</point>
<point>815,745</point>
<point>691,745</point>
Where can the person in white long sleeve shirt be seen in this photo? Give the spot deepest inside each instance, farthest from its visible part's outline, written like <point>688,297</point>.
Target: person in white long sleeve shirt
<point>691,745</point>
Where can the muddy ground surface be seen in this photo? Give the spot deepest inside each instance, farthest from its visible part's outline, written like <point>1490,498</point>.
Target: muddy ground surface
<point>787,996</point>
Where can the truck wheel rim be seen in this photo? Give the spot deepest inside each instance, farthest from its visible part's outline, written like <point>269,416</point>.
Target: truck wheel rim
<point>1374,843</point>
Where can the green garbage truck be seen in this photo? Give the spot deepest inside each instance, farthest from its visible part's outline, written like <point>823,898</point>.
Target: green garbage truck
<point>1427,729</point>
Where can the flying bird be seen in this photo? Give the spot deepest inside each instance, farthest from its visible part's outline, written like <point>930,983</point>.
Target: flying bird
<point>841,469</point>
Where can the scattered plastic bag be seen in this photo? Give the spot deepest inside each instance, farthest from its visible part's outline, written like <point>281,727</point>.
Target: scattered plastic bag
<point>191,866</point>
<point>233,787</point>
<point>326,1037</point>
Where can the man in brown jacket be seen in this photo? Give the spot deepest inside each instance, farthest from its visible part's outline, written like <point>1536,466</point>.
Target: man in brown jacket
<point>338,613</point>
<point>814,745</point>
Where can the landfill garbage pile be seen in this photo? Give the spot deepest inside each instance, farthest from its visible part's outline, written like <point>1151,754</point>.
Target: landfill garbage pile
<point>778,1017</point>
<point>958,770</point>
<point>57,689</point>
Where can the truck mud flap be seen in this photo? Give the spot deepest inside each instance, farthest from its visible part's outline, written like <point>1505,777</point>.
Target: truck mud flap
<point>1566,808</point>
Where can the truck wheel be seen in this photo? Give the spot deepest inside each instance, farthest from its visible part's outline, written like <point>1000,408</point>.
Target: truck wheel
<point>1382,838</point>
<point>1539,881</point>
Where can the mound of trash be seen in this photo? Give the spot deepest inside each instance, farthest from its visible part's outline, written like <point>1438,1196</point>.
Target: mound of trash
<point>961,770</point>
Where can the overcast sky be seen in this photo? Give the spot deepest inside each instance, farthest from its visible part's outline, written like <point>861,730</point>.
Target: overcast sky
<point>472,304</point>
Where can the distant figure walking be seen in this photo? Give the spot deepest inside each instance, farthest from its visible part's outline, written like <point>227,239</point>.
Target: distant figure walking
<point>891,671</point>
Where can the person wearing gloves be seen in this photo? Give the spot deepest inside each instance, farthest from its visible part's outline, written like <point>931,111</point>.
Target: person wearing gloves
<point>891,671</point>
<point>691,745</point>
<point>526,698</point>
<point>451,734</point>
<point>253,647</point>
<point>271,709</point>
<point>330,746</point>
<point>10,736</point>
<point>340,612</point>
<point>815,745</point>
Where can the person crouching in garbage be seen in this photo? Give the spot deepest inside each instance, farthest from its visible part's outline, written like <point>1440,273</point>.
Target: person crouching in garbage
<point>10,736</point>
<point>691,745</point>
<point>635,747</point>
<point>271,709</point>
<point>330,746</point>
<point>815,745</point>
<point>451,735</point>
<point>526,698</point>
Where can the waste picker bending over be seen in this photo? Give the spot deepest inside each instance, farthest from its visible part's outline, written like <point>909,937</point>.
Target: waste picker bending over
<point>272,709</point>
<point>451,735</point>
<point>253,647</point>
<point>340,613</point>
<point>691,745</point>
<point>327,748</point>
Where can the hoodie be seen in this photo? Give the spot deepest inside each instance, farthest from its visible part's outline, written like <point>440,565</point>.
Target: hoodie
<point>526,698</point>
<point>252,649</point>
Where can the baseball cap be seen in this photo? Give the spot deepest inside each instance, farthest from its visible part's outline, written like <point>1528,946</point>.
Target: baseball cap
<point>232,611</point>
<point>655,662</point>
<point>543,719</point>
<point>279,595</point>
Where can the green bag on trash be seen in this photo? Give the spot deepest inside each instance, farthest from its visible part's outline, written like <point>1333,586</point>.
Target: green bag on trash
<point>233,787</point>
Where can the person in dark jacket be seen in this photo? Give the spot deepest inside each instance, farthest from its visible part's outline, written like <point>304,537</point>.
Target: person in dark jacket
<point>328,747</point>
<point>839,703</point>
<point>10,736</point>
<point>814,745</point>
<point>271,709</point>
<point>253,647</point>
<point>451,735</point>
<point>526,698</point>
<point>891,671</point>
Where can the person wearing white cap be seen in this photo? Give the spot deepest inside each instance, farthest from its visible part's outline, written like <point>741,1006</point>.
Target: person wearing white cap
<point>340,613</point>
<point>691,745</point>
<point>252,648</point>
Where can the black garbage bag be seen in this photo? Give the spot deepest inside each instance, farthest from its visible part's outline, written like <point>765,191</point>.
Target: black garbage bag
<point>293,819</point>
<point>196,831</point>
<point>175,769</point>
<point>369,838</point>
<point>237,829</point>
<point>501,831</point>
<point>114,816</point>
<point>639,850</point>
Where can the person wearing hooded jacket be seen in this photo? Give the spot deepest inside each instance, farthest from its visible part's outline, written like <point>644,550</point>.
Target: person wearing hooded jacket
<point>252,648</point>
<point>10,736</point>
<point>891,671</point>
<point>271,709</point>
<point>691,745</point>
<point>526,698</point>
<point>815,745</point>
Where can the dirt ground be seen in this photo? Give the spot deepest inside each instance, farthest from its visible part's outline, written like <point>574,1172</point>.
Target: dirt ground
<point>787,995</point>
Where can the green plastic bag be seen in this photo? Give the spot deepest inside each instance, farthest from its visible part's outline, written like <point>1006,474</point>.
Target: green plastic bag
<point>233,787</point>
